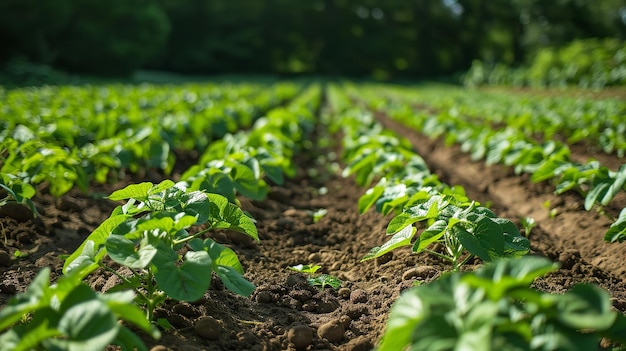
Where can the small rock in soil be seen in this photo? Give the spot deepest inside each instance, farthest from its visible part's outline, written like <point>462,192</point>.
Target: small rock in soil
<point>68,204</point>
<point>332,331</point>
<point>264,296</point>
<point>344,293</point>
<point>16,211</point>
<point>315,257</point>
<point>24,238</point>
<point>360,343</point>
<point>208,328</point>
<point>185,309</point>
<point>358,295</point>
<point>420,272</point>
<point>356,311</point>
<point>568,258</point>
<point>301,295</point>
<point>346,320</point>
<point>295,279</point>
<point>178,321</point>
<point>384,258</point>
<point>5,258</point>
<point>247,337</point>
<point>8,288</point>
<point>300,336</point>
<point>160,348</point>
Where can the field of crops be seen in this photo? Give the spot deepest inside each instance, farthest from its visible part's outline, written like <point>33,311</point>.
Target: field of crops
<point>311,216</point>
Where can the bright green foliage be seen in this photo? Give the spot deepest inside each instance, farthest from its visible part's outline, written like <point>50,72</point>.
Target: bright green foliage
<point>588,63</point>
<point>70,316</point>
<point>70,136</point>
<point>495,308</point>
<point>12,189</point>
<point>408,190</point>
<point>504,130</point>
<point>617,231</point>
<point>148,232</point>
<point>321,280</point>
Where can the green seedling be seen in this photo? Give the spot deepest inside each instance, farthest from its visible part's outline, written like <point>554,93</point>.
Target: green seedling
<point>14,190</point>
<point>149,234</point>
<point>528,223</point>
<point>319,214</point>
<point>495,308</point>
<point>68,315</point>
<point>321,280</point>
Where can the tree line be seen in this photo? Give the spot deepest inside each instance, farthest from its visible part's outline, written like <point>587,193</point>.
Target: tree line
<point>381,38</point>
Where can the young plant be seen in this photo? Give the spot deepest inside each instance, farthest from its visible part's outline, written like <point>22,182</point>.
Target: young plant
<point>70,316</point>
<point>464,232</point>
<point>495,308</point>
<point>320,280</point>
<point>14,190</point>
<point>151,235</point>
<point>528,223</point>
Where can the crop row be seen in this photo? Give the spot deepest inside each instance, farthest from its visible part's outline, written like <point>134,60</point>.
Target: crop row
<point>494,307</point>
<point>504,139</point>
<point>158,236</point>
<point>66,136</point>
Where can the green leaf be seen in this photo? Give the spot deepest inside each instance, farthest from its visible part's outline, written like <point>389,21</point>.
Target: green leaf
<point>407,312</point>
<point>225,215</point>
<point>617,230</point>
<point>586,306</point>
<point>325,279</point>
<point>28,301</point>
<point>369,198</point>
<point>132,191</point>
<point>305,268</point>
<point>88,325</point>
<point>430,235</point>
<point>401,238</point>
<point>187,281</point>
<point>124,251</point>
<point>98,237</point>
<point>234,281</point>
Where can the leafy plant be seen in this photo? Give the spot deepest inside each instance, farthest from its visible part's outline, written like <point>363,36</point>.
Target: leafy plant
<point>464,232</point>
<point>321,280</point>
<point>70,316</point>
<point>496,308</point>
<point>528,223</point>
<point>152,236</point>
<point>14,190</point>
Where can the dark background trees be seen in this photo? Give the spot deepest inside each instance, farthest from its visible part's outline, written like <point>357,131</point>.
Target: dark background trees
<point>380,38</point>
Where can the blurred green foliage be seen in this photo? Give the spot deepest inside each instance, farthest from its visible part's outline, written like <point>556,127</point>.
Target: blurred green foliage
<point>588,63</point>
<point>376,38</point>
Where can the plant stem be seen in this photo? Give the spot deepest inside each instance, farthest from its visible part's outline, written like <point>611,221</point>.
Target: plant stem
<point>447,258</point>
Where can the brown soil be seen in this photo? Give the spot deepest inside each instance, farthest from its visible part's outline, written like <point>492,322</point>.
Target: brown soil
<point>285,312</point>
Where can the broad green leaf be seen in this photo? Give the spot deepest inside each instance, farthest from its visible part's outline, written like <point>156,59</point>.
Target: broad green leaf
<point>222,255</point>
<point>125,252</point>
<point>430,235</point>
<point>133,191</point>
<point>235,281</point>
<point>197,204</point>
<point>406,314</point>
<point>586,307</point>
<point>225,215</point>
<point>187,281</point>
<point>123,306</point>
<point>401,238</point>
<point>88,325</point>
<point>162,186</point>
<point>26,337</point>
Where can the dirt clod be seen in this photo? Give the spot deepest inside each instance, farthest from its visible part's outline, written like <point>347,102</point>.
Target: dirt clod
<point>208,328</point>
<point>300,336</point>
<point>5,258</point>
<point>358,295</point>
<point>332,331</point>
